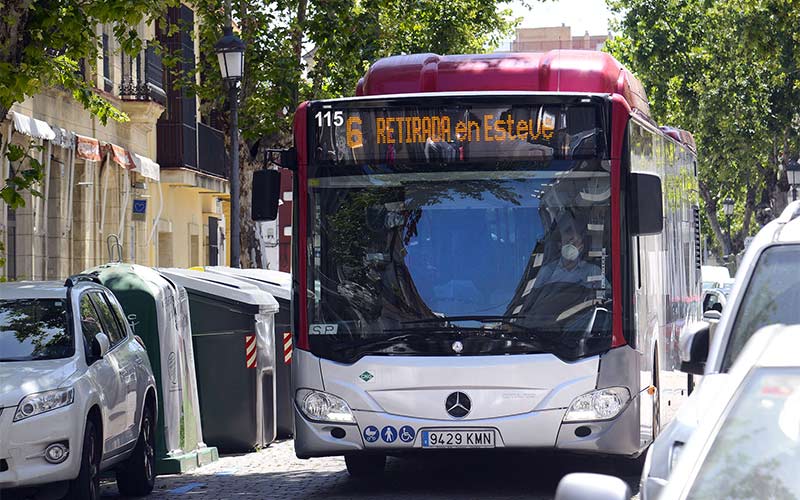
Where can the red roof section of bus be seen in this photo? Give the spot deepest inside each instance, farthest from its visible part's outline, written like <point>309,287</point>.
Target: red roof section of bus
<point>554,71</point>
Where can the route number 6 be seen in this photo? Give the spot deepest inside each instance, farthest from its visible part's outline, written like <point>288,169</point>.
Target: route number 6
<point>330,117</point>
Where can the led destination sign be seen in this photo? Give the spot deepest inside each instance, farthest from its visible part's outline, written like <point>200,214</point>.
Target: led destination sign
<point>451,133</point>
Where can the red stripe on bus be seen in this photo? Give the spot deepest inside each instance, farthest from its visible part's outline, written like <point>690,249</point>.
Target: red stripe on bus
<point>300,239</point>
<point>620,113</point>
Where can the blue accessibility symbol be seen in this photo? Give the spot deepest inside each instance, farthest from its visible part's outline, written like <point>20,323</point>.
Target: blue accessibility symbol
<point>389,434</point>
<point>371,434</point>
<point>406,433</point>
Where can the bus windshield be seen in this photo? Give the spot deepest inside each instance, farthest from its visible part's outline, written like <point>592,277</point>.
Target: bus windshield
<point>504,261</point>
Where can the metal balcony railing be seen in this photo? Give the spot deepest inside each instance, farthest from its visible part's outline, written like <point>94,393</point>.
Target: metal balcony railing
<point>142,77</point>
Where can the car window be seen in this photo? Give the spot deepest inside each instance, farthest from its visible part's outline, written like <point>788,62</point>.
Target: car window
<point>711,299</point>
<point>111,325</point>
<point>90,322</point>
<point>34,329</point>
<point>772,296</point>
<point>756,452</point>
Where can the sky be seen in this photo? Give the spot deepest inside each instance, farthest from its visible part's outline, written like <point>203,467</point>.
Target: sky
<point>581,15</point>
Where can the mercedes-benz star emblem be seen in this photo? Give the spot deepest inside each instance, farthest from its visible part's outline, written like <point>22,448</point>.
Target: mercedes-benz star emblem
<point>458,405</point>
<point>457,346</point>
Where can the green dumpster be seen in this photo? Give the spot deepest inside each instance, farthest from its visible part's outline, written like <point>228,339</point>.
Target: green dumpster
<point>279,285</point>
<point>233,337</point>
<point>158,311</point>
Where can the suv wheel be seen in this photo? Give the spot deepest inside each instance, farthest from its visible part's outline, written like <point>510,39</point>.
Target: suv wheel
<point>365,466</point>
<point>137,476</point>
<point>87,485</point>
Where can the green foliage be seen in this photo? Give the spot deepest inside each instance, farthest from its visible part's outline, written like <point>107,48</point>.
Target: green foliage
<point>727,71</point>
<point>26,171</point>
<point>343,38</point>
<point>41,43</point>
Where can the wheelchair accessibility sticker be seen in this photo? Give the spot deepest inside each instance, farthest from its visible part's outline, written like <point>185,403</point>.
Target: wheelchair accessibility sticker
<point>406,433</point>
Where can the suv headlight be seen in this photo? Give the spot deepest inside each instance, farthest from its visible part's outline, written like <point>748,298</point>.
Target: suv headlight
<point>601,404</point>
<point>324,407</point>
<point>41,402</point>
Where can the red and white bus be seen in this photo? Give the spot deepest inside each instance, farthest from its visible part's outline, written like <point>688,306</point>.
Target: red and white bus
<point>489,251</point>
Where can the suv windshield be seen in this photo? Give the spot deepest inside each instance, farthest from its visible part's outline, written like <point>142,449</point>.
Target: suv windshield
<point>34,329</point>
<point>503,259</point>
<point>772,296</point>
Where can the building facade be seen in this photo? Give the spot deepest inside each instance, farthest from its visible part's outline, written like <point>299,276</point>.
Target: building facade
<point>117,191</point>
<point>552,38</point>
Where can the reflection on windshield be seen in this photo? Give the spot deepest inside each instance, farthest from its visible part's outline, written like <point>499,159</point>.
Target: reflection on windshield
<point>528,246</point>
<point>34,329</point>
<point>756,452</point>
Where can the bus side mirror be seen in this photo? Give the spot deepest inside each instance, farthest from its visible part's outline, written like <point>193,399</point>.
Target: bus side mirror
<point>647,207</point>
<point>265,195</point>
<point>694,348</point>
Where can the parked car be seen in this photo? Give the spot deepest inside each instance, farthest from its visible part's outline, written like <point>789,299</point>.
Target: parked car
<point>77,394</point>
<point>711,275</point>
<point>748,443</point>
<point>766,291</point>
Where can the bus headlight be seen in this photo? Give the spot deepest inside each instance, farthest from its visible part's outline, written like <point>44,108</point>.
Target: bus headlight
<point>601,404</point>
<point>324,407</point>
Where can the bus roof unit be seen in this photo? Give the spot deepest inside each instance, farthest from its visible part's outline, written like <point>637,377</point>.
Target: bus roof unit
<point>554,71</point>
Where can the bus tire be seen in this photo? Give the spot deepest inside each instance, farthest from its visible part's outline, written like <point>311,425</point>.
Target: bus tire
<point>366,466</point>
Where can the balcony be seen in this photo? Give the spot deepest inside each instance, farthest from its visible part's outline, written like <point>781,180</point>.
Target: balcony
<point>193,156</point>
<point>142,78</point>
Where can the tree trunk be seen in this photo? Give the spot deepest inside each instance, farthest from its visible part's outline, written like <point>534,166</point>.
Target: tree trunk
<point>711,215</point>
<point>248,239</point>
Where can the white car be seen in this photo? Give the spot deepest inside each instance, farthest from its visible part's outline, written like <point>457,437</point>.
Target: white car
<point>77,394</point>
<point>766,291</point>
<point>748,442</point>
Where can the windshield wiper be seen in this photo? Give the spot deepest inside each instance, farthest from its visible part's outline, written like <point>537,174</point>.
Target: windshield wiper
<point>506,320</point>
<point>482,319</point>
<point>423,335</point>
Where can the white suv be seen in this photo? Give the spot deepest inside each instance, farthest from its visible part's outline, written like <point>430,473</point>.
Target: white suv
<point>77,394</point>
<point>766,292</point>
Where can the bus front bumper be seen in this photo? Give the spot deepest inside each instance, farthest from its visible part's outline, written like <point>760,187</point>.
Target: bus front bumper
<point>542,430</point>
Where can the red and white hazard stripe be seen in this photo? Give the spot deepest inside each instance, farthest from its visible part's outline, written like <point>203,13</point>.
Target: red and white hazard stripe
<point>287,347</point>
<point>250,351</point>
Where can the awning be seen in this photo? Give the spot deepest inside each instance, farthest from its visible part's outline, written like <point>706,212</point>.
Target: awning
<point>147,167</point>
<point>64,138</point>
<point>32,127</point>
<point>88,148</point>
<point>120,156</point>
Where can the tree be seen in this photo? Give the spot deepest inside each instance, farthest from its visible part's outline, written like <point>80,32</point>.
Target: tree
<point>727,71</point>
<point>342,37</point>
<point>41,44</point>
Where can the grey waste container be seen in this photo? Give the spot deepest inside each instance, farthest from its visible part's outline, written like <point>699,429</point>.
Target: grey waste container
<point>279,285</point>
<point>233,338</point>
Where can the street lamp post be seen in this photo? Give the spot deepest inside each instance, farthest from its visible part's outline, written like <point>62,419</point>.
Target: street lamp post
<point>727,207</point>
<point>793,175</point>
<point>230,51</point>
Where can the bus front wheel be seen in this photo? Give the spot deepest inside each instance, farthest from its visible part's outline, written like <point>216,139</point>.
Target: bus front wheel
<point>365,466</point>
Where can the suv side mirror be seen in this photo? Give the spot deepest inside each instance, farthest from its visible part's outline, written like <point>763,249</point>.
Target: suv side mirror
<point>712,315</point>
<point>694,348</point>
<point>265,195</point>
<point>585,486</point>
<point>100,345</point>
<point>647,204</point>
